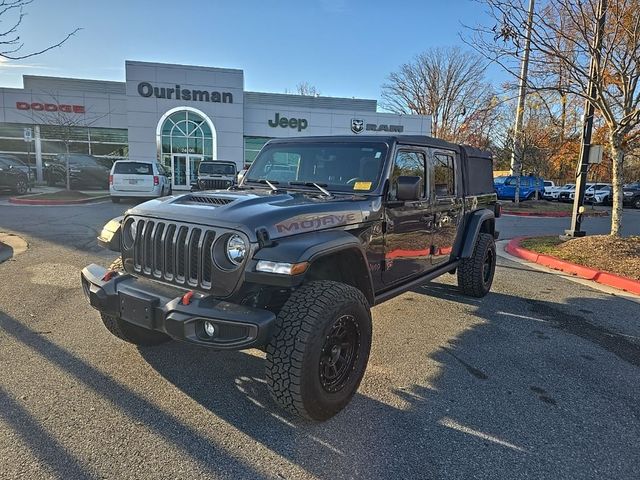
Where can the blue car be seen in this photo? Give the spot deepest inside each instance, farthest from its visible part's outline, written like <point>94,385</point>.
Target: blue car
<point>506,187</point>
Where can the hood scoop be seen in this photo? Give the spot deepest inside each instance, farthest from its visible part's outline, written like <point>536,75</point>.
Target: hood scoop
<point>206,200</point>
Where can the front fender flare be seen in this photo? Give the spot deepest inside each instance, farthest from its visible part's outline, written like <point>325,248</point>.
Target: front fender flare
<point>311,247</point>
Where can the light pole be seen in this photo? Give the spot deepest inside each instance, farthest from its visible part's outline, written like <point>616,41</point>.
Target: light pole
<point>518,147</point>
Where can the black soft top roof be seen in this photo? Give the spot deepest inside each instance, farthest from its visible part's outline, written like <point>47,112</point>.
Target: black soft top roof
<point>475,169</point>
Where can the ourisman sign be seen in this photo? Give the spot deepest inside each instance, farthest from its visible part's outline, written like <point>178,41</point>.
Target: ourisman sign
<point>145,89</point>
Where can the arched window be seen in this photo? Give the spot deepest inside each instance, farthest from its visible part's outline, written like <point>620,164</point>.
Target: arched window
<point>185,137</point>
<point>185,131</point>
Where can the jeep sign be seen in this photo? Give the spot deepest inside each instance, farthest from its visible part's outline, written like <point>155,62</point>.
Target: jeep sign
<point>284,122</point>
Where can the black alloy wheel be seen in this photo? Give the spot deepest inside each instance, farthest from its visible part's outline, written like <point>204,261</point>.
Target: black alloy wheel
<point>339,354</point>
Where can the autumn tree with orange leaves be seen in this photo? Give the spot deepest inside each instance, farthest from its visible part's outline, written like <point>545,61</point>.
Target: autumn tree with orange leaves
<point>562,46</point>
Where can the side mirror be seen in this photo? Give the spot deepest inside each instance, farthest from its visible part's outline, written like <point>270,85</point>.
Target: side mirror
<point>408,188</point>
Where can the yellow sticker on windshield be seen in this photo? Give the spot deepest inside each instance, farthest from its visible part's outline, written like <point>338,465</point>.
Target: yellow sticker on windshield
<point>362,186</point>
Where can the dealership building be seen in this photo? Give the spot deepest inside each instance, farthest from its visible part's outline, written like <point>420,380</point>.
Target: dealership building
<point>177,114</point>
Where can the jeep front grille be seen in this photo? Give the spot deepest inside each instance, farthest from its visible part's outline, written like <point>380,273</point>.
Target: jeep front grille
<point>175,253</point>
<point>213,184</point>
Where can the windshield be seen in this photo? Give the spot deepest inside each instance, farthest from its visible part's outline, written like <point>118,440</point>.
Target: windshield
<point>217,168</point>
<point>499,180</point>
<point>344,167</point>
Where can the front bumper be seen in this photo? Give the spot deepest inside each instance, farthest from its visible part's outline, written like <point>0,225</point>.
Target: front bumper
<point>156,306</point>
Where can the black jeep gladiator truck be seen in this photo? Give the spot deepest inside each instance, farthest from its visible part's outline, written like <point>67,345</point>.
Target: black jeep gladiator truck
<point>292,259</point>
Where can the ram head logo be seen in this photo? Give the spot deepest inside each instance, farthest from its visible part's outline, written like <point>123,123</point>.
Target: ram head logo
<point>357,125</point>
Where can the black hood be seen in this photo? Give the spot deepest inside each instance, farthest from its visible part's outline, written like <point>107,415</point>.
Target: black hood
<point>281,214</point>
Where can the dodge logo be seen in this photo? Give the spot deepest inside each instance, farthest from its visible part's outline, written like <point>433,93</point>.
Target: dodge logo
<point>357,125</point>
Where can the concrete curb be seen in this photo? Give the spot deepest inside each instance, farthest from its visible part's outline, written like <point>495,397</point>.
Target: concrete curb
<point>588,273</point>
<point>34,201</point>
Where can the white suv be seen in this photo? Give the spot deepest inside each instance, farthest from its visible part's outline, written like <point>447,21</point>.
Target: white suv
<point>137,179</point>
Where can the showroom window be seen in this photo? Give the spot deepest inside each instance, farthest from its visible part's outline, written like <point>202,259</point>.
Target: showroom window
<point>109,143</point>
<point>252,145</point>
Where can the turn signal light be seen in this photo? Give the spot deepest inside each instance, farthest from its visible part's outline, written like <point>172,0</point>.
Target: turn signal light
<point>156,180</point>
<point>266,266</point>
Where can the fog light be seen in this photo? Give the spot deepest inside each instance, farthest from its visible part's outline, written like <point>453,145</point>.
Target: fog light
<point>209,329</point>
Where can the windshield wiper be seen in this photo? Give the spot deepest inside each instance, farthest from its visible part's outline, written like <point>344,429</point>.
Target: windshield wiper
<point>264,181</point>
<point>319,186</point>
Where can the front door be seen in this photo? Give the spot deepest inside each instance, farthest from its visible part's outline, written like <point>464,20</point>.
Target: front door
<point>184,169</point>
<point>407,239</point>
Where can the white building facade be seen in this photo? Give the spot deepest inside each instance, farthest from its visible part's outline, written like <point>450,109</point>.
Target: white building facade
<point>178,114</point>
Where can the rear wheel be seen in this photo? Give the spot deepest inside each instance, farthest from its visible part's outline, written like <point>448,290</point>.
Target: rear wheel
<point>475,274</point>
<point>319,349</point>
<point>637,203</point>
<point>127,332</point>
<point>115,199</point>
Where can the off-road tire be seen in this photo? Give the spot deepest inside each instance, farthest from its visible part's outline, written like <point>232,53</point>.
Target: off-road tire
<point>294,353</point>
<point>473,277</point>
<point>127,332</point>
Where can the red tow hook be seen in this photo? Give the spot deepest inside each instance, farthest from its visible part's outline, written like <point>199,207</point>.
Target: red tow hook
<point>109,275</point>
<point>186,298</point>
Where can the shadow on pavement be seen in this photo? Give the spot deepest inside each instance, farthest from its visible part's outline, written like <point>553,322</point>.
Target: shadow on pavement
<point>210,456</point>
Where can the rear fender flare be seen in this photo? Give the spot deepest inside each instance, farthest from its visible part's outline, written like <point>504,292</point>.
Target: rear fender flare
<point>482,220</point>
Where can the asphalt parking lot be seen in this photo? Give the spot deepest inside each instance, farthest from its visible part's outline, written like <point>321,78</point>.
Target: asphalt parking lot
<point>537,380</point>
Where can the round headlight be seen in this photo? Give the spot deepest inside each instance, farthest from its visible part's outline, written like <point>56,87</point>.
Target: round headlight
<point>236,249</point>
<point>129,232</point>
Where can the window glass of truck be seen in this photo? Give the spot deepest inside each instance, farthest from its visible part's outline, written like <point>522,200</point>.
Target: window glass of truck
<point>410,164</point>
<point>443,175</point>
<point>346,167</point>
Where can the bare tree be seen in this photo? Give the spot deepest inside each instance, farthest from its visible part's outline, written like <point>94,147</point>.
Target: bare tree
<point>562,46</point>
<point>12,13</point>
<point>307,89</point>
<point>67,122</point>
<point>446,83</point>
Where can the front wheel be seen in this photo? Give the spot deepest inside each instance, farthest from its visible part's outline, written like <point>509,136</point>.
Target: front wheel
<point>319,350</point>
<point>637,203</point>
<point>21,187</point>
<point>475,274</point>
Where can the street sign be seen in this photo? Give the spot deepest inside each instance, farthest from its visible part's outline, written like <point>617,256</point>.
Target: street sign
<point>28,134</point>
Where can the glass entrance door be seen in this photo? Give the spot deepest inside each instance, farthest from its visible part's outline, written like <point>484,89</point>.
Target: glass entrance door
<point>179,167</point>
<point>185,170</point>
<point>194,163</point>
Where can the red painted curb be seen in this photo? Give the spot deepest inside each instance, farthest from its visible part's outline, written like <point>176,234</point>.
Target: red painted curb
<point>605,278</point>
<point>33,201</point>
<point>550,214</point>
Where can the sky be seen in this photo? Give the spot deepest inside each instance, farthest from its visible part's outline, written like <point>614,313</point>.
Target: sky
<point>344,48</point>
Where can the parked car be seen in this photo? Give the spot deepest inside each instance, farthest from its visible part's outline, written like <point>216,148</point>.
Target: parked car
<point>294,265</point>
<point>215,175</point>
<point>566,194</point>
<point>548,187</point>
<point>137,179</point>
<point>599,194</point>
<point>555,192</point>
<point>14,175</point>
<point>631,195</point>
<point>529,184</point>
<point>84,171</point>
